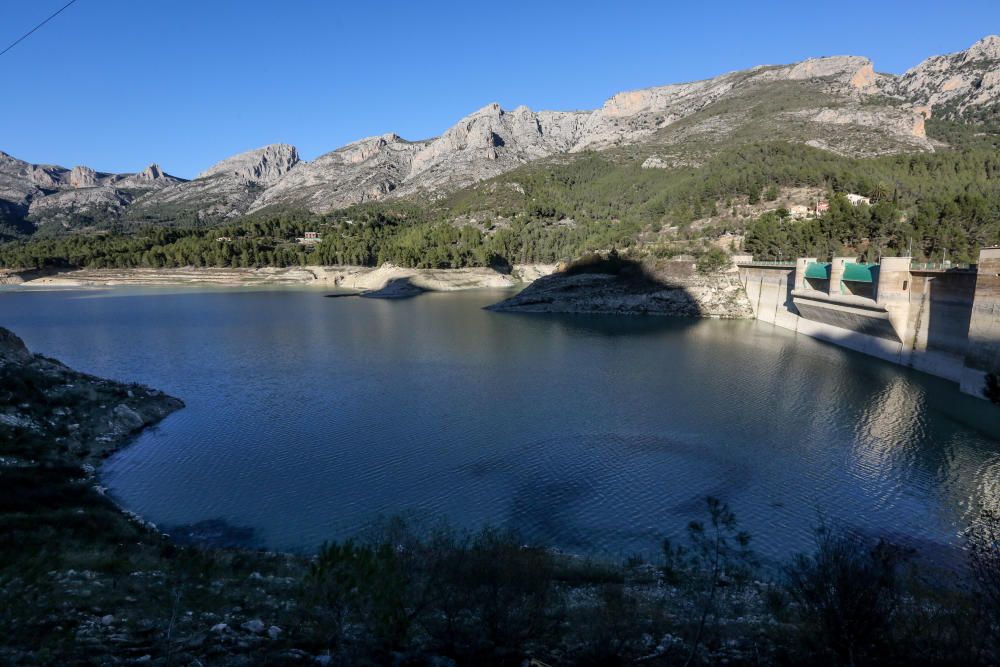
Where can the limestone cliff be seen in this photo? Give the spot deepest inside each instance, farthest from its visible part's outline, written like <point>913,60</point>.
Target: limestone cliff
<point>262,166</point>
<point>53,196</point>
<point>365,170</point>
<point>958,85</point>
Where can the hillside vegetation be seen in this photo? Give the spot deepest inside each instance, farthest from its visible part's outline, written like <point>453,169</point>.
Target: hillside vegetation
<point>940,203</point>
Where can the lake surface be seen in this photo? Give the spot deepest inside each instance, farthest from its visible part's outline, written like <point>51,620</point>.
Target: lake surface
<point>307,418</point>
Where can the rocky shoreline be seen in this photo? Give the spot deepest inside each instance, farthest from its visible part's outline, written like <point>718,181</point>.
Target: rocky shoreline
<point>671,288</point>
<point>361,279</point>
<point>84,581</point>
<point>83,418</point>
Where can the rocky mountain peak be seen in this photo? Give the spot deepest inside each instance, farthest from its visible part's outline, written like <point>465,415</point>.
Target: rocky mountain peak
<point>262,166</point>
<point>367,148</point>
<point>493,109</point>
<point>856,71</point>
<point>82,177</point>
<point>988,48</point>
<point>151,173</point>
<point>957,84</point>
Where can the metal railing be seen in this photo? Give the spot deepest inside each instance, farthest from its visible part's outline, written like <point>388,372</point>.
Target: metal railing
<point>757,262</point>
<point>914,266</point>
<point>939,266</point>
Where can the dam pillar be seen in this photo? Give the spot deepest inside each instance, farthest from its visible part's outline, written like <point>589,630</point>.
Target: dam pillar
<point>800,271</point>
<point>837,274</point>
<point>982,354</point>
<point>893,291</point>
<point>739,259</point>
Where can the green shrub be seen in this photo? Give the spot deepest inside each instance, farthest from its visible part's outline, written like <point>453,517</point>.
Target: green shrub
<point>849,593</point>
<point>713,260</point>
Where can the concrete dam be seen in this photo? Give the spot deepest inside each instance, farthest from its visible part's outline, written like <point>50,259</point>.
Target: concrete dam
<point>937,319</point>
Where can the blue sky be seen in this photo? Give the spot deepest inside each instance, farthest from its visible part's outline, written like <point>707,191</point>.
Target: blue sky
<point>117,84</point>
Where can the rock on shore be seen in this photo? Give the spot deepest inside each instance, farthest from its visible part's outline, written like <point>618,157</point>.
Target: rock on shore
<point>77,416</point>
<point>670,288</point>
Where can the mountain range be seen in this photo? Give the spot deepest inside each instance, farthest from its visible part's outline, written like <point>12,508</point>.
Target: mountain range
<point>839,104</point>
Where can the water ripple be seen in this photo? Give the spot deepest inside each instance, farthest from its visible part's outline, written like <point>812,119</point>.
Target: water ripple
<point>308,417</point>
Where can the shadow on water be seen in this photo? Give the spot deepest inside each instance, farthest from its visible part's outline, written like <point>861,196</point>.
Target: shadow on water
<point>397,288</point>
<point>605,324</point>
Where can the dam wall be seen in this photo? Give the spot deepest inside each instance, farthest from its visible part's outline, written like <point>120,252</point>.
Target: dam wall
<point>983,353</point>
<point>940,320</point>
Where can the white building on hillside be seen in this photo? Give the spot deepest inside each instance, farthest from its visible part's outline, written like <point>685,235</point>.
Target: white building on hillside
<point>798,211</point>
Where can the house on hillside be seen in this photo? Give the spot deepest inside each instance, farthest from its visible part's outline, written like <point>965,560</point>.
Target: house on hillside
<point>822,206</point>
<point>857,200</point>
<point>309,237</point>
<point>798,211</point>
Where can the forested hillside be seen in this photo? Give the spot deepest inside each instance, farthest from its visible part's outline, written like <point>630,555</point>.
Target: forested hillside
<point>558,209</point>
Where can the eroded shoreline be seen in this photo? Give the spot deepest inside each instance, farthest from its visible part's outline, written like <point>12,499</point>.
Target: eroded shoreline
<point>360,279</point>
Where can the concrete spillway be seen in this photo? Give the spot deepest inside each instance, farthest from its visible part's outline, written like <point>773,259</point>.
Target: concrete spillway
<point>941,320</point>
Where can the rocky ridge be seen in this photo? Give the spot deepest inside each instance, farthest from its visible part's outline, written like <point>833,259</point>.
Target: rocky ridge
<point>71,197</point>
<point>227,188</point>
<point>262,166</point>
<point>957,85</point>
<point>365,170</point>
<point>493,140</point>
<point>836,103</point>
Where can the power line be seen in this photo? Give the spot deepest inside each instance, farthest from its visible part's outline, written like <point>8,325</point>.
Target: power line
<point>28,34</point>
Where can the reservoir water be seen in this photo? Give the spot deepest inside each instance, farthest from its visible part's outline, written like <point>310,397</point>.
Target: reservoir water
<point>308,418</point>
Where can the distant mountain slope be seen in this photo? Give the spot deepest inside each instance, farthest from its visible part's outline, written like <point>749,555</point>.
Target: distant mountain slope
<point>839,104</point>
<point>831,94</point>
<point>365,170</point>
<point>68,199</point>
<point>228,188</point>
<point>958,86</point>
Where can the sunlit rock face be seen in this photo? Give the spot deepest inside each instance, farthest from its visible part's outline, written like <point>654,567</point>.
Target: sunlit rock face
<point>956,84</point>
<point>263,166</point>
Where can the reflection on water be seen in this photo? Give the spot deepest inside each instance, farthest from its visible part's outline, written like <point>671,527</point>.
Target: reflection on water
<point>309,417</point>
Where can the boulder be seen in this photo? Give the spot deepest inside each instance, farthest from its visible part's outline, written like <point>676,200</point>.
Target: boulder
<point>255,626</point>
<point>12,348</point>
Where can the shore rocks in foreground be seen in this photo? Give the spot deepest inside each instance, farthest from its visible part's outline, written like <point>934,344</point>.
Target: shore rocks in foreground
<point>51,412</point>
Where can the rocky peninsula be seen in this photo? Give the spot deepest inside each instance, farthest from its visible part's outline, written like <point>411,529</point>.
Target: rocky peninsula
<point>611,285</point>
<point>81,581</point>
<point>76,417</point>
